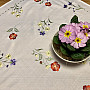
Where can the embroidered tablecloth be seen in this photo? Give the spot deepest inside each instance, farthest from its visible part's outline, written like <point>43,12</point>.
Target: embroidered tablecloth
<point>27,28</point>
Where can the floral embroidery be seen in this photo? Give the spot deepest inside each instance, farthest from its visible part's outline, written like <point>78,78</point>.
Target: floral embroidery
<point>44,26</point>
<point>45,58</point>
<point>47,3</point>
<point>13,35</point>
<point>6,60</point>
<point>55,66</point>
<point>73,7</point>
<point>16,10</point>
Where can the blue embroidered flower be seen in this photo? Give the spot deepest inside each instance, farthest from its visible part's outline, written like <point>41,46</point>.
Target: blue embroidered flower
<point>69,3</point>
<point>7,66</point>
<point>65,6</point>
<point>13,62</point>
<point>42,33</point>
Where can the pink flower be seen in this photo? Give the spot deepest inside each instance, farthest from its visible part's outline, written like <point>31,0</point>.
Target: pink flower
<point>67,33</point>
<point>77,27</point>
<point>84,25</point>
<point>79,41</point>
<point>86,33</point>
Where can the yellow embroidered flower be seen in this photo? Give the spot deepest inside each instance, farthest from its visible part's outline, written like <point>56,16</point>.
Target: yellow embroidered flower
<point>47,28</point>
<point>36,55</point>
<point>47,67</point>
<point>78,40</point>
<point>18,15</point>
<point>85,26</point>
<point>1,64</point>
<point>13,13</point>
<point>39,24</point>
<point>21,10</point>
<point>67,33</point>
<point>48,53</point>
<point>8,56</point>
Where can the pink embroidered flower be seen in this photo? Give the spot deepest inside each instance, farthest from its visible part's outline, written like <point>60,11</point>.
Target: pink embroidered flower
<point>79,41</point>
<point>67,33</point>
<point>84,25</point>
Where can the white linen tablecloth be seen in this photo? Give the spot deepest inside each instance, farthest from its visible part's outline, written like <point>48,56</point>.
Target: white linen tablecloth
<point>29,74</point>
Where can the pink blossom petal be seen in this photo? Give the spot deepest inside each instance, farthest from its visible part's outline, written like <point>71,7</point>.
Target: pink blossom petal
<point>84,40</point>
<point>60,37</point>
<point>72,44</point>
<point>61,33</point>
<point>89,34</point>
<point>68,40</point>
<point>63,29</point>
<point>76,45</point>
<point>82,45</point>
<point>63,39</point>
<point>80,35</point>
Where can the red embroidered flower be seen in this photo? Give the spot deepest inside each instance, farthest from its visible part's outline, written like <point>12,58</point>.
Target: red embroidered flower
<point>86,87</point>
<point>48,4</point>
<point>13,36</point>
<point>37,0</point>
<point>55,66</point>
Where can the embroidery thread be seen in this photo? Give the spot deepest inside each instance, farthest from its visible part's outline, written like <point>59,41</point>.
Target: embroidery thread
<point>44,26</point>
<point>47,3</point>
<point>73,7</point>
<point>45,58</point>
<point>16,10</point>
<point>7,60</point>
<point>13,35</point>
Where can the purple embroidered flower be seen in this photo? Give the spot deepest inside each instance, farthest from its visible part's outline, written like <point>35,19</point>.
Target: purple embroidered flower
<point>67,33</point>
<point>13,62</point>
<point>79,41</point>
<point>42,33</point>
<point>65,6</point>
<point>69,3</point>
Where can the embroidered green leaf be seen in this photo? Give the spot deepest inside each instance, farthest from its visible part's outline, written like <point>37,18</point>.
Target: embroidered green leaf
<point>11,29</point>
<point>50,20</point>
<point>16,30</point>
<point>36,60</point>
<point>39,49</point>
<point>49,58</point>
<point>40,56</point>
<point>85,49</point>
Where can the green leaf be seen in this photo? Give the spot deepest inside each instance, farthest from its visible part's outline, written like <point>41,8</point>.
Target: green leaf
<point>64,44</point>
<point>89,52</point>
<point>49,58</point>
<point>11,29</point>
<point>56,40</point>
<point>74,19</point>
<point>16,30</point>
<point>39,49</point>
<point>36,60</point>
<point>63,50</point>
<point>71,48</point>
<point>88,41</point>
<point>50,21</point>
<point>61,26</point>
<point>77,55</point>
<point>40,56</point>
<point>85,49</point>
